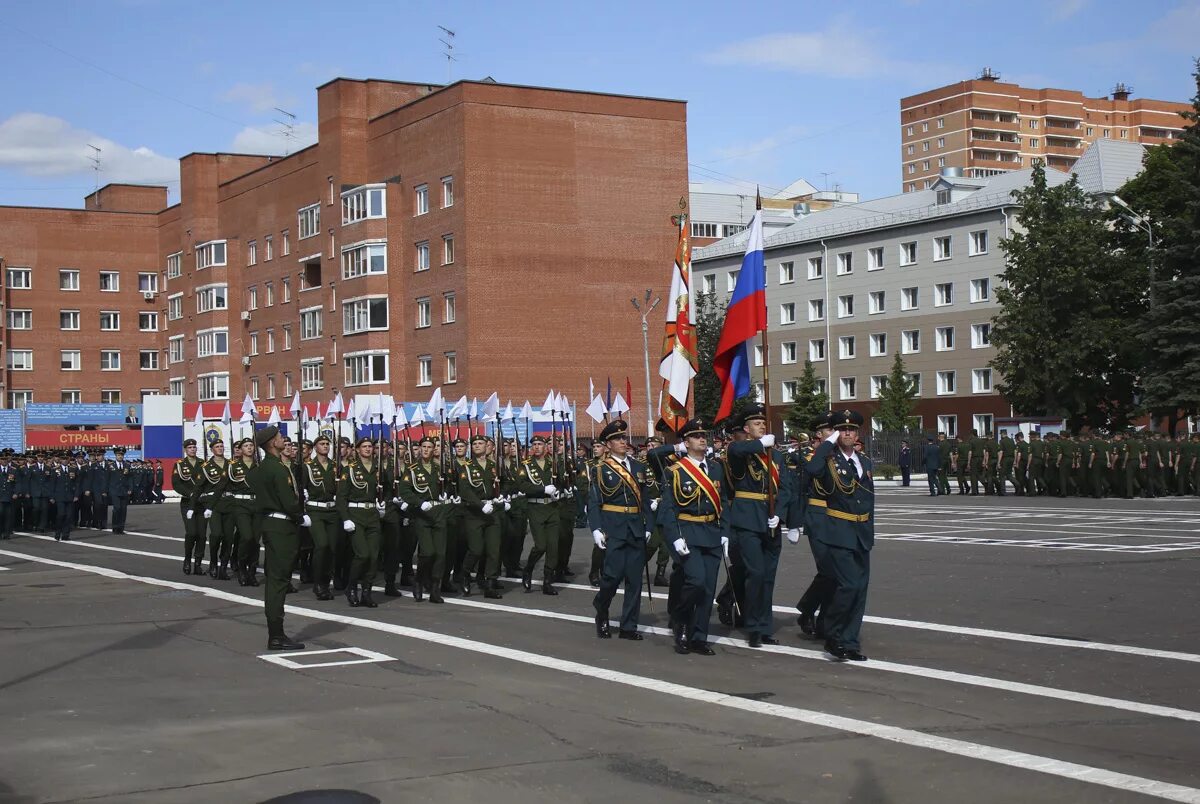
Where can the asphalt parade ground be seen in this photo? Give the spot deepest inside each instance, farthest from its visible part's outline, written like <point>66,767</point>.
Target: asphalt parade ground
<point>1021,650</point>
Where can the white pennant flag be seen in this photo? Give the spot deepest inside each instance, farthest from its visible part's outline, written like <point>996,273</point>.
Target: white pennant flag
<point>336,405</point>
<point>597,410</point>
<point>295,408</point>
<point>401,416</point>
<point>619,405</point>
<point>526,411</point>
<point>226,416</point>
<point>459,409</point>
<point>199,420</point>
<point>508,414</point>
<point>491,408</point>
<point>274,417</point>
<point>247,409</point>
<point>418,415</point>
<point>437,405</point>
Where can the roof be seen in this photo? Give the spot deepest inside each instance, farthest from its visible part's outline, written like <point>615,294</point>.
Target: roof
<point>797,188</point>
<point>1108,164</point>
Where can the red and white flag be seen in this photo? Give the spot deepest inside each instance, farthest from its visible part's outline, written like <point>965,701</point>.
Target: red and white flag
<point>679,364</point>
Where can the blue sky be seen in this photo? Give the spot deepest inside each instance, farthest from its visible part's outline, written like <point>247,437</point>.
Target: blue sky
<point>792,90</point>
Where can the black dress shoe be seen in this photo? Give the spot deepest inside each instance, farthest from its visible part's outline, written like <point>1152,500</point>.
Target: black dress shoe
<point>835,651</point>
<point>566,573</point>
<point>322,592</point>
<point>291,589</point>
<point>466,589</point>
<point>435,594</point>
<point>495,585</point>
<point>767,639</point>
<point>681,641</point>
<point>527,579</point>
<point>389,586</point>
<point>660,577</point>
<point>352,596</point>
<point>365,597</point>
<point>703,648</point>
<point>724,614</point>
<point>807,623</point>
<point>756,640</point>
<point>187,567</point>
<point>633,636</point>
<point>594,580</point>
<point>284,642</point>
<point>602,630</point>
<point>855,655</point>
<point>547,589</point>
<point>492,593</point>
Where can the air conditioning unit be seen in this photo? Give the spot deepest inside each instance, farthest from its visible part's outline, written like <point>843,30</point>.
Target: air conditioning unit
<point>245,315</point>
<point>246,361</point>
<point>148,295</point>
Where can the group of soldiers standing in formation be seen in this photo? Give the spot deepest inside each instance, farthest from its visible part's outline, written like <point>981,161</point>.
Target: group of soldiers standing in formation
<point>1148,464</point>
<point>59,491</point>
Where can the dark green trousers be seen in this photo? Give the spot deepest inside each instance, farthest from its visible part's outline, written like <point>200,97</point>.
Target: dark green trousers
<point>327,536</point>
<point>512,536</point>
<point>240,518</point>
<point>544,525</point>
<point>429,529</point>
<point>483,544</point>
<point>283,541</point>
<point>193,535</point>
<point>364,544</point>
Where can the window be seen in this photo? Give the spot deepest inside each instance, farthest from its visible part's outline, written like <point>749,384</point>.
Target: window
<point>422,256</point>
<point>846,306</point>
<point>981,336</point>
<point>758,354</point>
<point>948,425</point>
<point>981,290</point>
<point>787,352</point>
<point>758,392</point>
<point>23,319</point>
<point>175,386</point>
<point>914,383</point>
<point>447,191</point>
<point>925,164</point>
<point>876,302</point>
<point>941,122</point>
<point>252,253</point>
<point>912,167</point>
<point>68,359</point>
<point>253,343</point>
<point>943,294</point>
<point>210,254</point>
<point>71,397</point>
<point>254,388</point>
<point>1124,133</point>
<point>148,359</point>
<point>110,281</point>
<point>447,249</point>
<point>788,391</point>
<point>148,283</point>
<point>364,315</point>
<point>878,381</point>
<point>451,367</point>
<point>816,349</point>
<point>816,310</point>
<point>19,399</point>
<point>941,248</point>
<point>287,383</point>
<point>147,322</point>
<point>942,197</point>
<point>704,230</point>
<point>68,319</point>
<point>846,348</point>
<point>270,386</point>
<point>849,387</point>
<point>845,263</point>
<point>175,265</point>
<point>946,383</point>
<point>1033,124</point>
<point>730,229</point>
<point>370,258</point>
<point>363,202</point>
<point>924,127</point>
<point>908,132</point>
<point>925,149</point>
<point>286,243</point>
<point>310,323</point>
<point>210,342</point>
<point>269,293</point>
<point>312,375</point>
<point>270,341</point>
<point>979,243</point>
<point>1107,132</point>
<point>110,321</point>
<point>787,272</point>
<point>908,253</point>
<point>366,368</point>
<point>816,267</point>
<point>175,349</point>
<point>878,344</point>
<point>909,150</point>
<point>68,279</point>
<point>425,370</point>
<point>1091,131</point>
<point>174,307</point>
<point>421,199</point>
<point>423,317</point>
<point>941,161</point>
<point>252,298</point>
<point>875,258</point>
<point>982,422</point>
<point>981,381</point>
<point>308,221</point>
<point>909,299</point>
<point>910,341</point>
<point>110,396</point>
<point>731,280</point>
<point>448,308</point>
<point>944,339</point>
<point>708,283</point>
<point>211,297</point>
<point>213,386</point>
<point>941,142</point>
<point>20,359</point>
<point>787,313</point>
<point>20,278</point>
<point>110,360</point>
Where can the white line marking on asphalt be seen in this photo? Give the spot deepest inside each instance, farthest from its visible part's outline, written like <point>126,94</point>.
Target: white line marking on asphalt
<point>884,666</point>
<point>895,734</point>
<point>365,657</point>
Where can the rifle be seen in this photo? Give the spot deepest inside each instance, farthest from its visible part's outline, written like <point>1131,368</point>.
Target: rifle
<point>337,456</point>
<point>380,495</point>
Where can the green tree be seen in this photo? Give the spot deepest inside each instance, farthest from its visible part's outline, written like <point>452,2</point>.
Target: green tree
<point>1069,308</point>
<point>897,399</point>
<point>706,388</point>
<point>810,401</point>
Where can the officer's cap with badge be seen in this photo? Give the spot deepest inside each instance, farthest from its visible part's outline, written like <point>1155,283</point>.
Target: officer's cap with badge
<point>693,428</point>
<point>823,422</point>
<point>752,413</point>
<point>264,436</point>
<point>191,442</point>
<point>426,440</point>
<point>479,437</point>
<point>363,440</point>
<point>538,439</point>
<point>846,420</point>
<point>320,438</point>
<point>618,428</point>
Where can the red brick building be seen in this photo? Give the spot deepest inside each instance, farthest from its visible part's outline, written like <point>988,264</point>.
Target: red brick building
<point>478,236</point>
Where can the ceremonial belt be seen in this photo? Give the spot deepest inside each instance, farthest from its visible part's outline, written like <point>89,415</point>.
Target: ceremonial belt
<point>836,514</point>
<point>277,515</point>
<point>817,501</point>
<point>694,518</point>
<point>620,509</point>
<point>750,495</point>
<point>321,503</point>
<point>539,500</point>
<point>360,505</point>
<point>239,496</point>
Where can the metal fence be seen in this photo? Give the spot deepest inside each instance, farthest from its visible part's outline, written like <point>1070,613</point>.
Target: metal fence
<point>884,446</point>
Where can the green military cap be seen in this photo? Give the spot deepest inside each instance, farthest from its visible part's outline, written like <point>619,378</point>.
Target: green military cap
<point>480,437</point>
<point>264,436</point>
<point>319,439</point>
<point>427,440</point>
<point>360,442</point>
<point>538,439</point>
<point>191,442</point>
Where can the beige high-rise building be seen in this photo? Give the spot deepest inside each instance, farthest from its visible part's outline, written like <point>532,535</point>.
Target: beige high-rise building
<point>984,127</point>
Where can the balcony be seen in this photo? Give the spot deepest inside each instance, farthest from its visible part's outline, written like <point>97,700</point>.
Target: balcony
<point>1062,150</point>
<point>994,124</point>
<point>995,145</point>
<point>992,162</point>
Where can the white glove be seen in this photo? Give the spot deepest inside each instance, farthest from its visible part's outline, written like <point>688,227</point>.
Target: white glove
<point>427,506</point>
<point>681,448</point>
<point>725,546</point>
<point>488,507</point>
<point>600,539</point>
<point>833,437</point>
<point>768,440</point>
<point>648,535</point>
<point>306,495</point>
<point>772,522</point>
<point>208,513</point>
<point>793,535</point>
<point>190,514</point>
<point>654,505</point>
<point>348,526</point>
<point>681,547</point>
<point>306,521</point>
<point>507,505</point>
<point>381,508</point>
<point>550,491</point>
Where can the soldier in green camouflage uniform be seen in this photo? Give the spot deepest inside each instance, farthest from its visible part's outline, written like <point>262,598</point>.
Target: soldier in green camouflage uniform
<point>482,511</point>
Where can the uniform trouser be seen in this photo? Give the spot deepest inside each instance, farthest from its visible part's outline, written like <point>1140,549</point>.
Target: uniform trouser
<point>364,544</point>
<point>989,479</point>
<point>65,512</point>
<point>580,508</point>
<point>240,518</point>
<point>83,510</point>
<point>389,542</point>
<point>962,479</point>
<point>852,573</point>
<point>430,533</point>
<point>1182,479</point>
<point>597,563</point>
<point>120,505</point>
<point>1005,475</point>
<point>1096,481</point>
<point>624,558</point>
<point>815,599</point>
<point>1020,480</point>
<point>193,532</point>
<point>7,512</point>
<point>456,542</point>
<point>100,511</point>
<point>734,590</point>
<point>658,549</point>
<point>905,475</point>
<point>934,482</point>
<point>691,603</point>
<point>1037,481</point>
<point>566,532</point>
<point>483,544</point>
<point>1128,481</point>
<point>943,477</point>
<point>760,556</point>
<point>1062,483</point>
<point>283,541</point>
<point>977,477</point>
<point>327,536</point>
<point>512,538</point>
<point>543,524</point>
<point>220,538</point>
<point>39,509</point>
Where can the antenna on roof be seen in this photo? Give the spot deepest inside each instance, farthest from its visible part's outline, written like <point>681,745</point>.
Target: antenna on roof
<point>95,160</point>
<point>825,175</point>
<point>1121,91</point>
<point>988,74</point>
<point>449,43</point>
<point>289,129</point>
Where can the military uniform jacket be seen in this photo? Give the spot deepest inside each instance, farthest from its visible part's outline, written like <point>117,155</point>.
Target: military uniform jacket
<point>274,490</point>
<point>619,501</point>
<point>691,509</point>
<point>186,478</point>
<point>236,486</point>
<point>534,478</point>
<point>320,483</point>
<point>850,505</point>
<point>40,480</point>
<point>510,482</point>
<point>749,478</point>
<point>1009,448</point>
<point>65,484</point>
<point>119,479</point>
<point>422,482</point>
<point>359,484</point>
<point>98,478</point>
<point>212,489</point>
<point>8,483</point>
<point>476,485</point>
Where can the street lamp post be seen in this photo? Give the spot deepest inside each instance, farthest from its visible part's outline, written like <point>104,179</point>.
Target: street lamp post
<point>1141,221</point>
<point>646,351</point>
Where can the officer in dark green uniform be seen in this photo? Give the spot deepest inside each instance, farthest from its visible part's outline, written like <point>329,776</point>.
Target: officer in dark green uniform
<point>537,484</point>
<point>658,458</point>
<point>963,462</point>
<point>566,508</point>
<point>210,493</point>
<point>239,511</point>
<point>1037,464</point>
<point>119,487</point>
<point>814,603</point>
<point>1021,453</point>
<point>515,522</point>
<point>185,479</point>
<point>360,513</point>
<point>1005,457</point>
<point>280,518</point>
<point>479,489</point>
<point>588,477</point>
<point>946,453</point>
<point>424,491</point>
<point>975,455</point>
<point>320,501</point>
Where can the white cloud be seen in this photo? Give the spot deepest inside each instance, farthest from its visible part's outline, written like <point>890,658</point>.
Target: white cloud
<point>256,97</point>
<point>40,145</point>
<point>271,141</point>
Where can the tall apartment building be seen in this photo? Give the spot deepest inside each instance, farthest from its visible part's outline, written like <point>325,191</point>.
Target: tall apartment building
<point>987,127</point>
<point>477,236</point>
<point>914,273</point>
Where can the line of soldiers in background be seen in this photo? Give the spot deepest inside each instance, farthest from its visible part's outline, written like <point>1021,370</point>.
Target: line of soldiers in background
<point>57,491</point>
<point>1145,464</point>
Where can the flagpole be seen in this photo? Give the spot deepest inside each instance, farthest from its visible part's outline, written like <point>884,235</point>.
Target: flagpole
<point>766,352</point>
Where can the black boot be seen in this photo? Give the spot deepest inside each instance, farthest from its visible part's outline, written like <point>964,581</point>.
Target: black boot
<point>406,576</point>
<point>223,570</point>
<point>212,567</point>
<point>197,564</point>
<point>306,567</point>
<point>660,577</point>
<point>527,577</point>
<point>322,592</point>
<point>389,585</point>
<point>282,641</point>
<point>352,595</point>
<point>252,576</point>
<point>602,631</point>
<point>492,591</point>
<point>547,589</point>
<point>365,598</point>
<point>418,581</point>
<point>680,632</point>
<point>435,592</point>
<point>187,566</point>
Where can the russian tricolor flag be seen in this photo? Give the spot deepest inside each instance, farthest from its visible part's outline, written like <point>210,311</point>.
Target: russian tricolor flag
<point>745,318</point>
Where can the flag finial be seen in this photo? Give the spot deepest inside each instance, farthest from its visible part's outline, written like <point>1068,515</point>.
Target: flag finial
<point>757,197</point>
